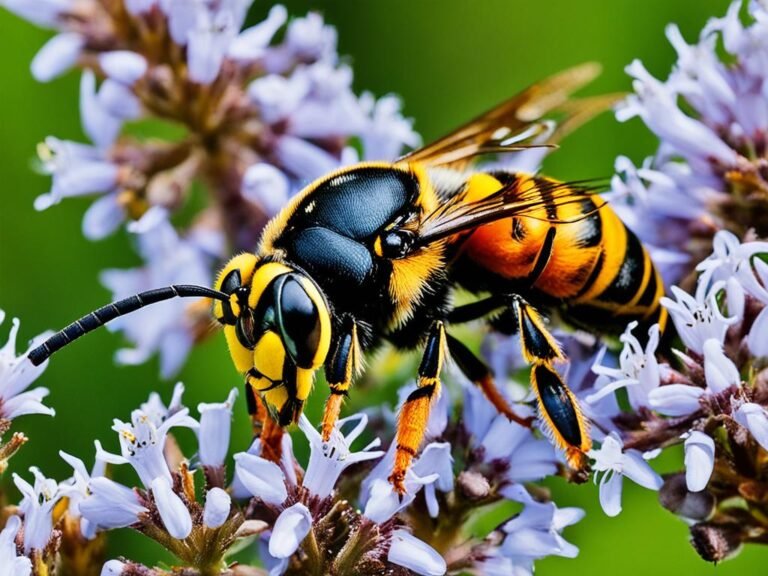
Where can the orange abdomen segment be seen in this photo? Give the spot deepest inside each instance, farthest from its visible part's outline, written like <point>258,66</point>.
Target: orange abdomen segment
<point>591,260</point>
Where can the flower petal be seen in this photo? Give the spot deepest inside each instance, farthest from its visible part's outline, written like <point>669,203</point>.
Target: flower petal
<point>408,551</point>
<point>610,493</point>
<point>699,460</point>
<point>675,399</point>
<point>217,507</point>
<point>291,527</point>
<point>173,512</point>
<point>261,478</point>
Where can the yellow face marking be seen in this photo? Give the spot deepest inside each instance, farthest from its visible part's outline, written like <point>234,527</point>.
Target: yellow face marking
<point>241,356</point>
<point>269,356</point>
<point>263,278</point>
<point>275,399</point>
<point>246,264</point>
<point>304,381</point>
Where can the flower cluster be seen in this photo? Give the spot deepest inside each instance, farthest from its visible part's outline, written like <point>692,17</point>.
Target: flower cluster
<point>16,375</point>
<point>710,396</point>
<point>252,119</point>
<point>711,117</point>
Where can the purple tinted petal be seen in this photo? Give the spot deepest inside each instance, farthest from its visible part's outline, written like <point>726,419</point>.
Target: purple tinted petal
<point>57,56</point>
<point>408,551</point>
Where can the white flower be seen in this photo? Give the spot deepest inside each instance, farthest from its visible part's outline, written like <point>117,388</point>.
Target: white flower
<point>111,505</point>
<point>731,260</point>
<point>309,38</point>
<point>699,460</point>
<point>57,56</point>
<point>77,170</point>
<point>214,431</point>
<point>266,186</point>
<point>101,126</point>
<point>40,12</point>
<point>680,399</point>
<point>527,458</point>
<point>252,42</point>
<point>142,444</point>
<point>10,564</point>
<point>656,104</point>
<point>37,505</point>
<point>217,507</point>
<point>156,409</point>
<point>173,512</point>
<point>698,319</point>
<point>327,460</point>
<point>754,418</point>
<point>77,489</point>
<point>123,66</point>
<point>162,328</point>
<point>615,463</point>
<point>408,551</point>
<point>16,374</point>
<point>533,534</point>
<point>638,369</point>
<point>386,130</point>
<point>433,469</point>
<point>291,527</point>
<point>260,477</point>
<point>113,568</point>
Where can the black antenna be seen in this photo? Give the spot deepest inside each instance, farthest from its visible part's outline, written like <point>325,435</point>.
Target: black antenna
<point>105,314</point>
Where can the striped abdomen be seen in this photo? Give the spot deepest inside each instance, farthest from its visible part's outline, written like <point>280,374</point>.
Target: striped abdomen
<point>578,253</point>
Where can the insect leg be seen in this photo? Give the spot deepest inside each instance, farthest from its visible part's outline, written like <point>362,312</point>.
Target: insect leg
<point>256,409</point>
<point>263,425</point>
<point>413,417</point>
<point>560,411</point>
<point>480,375</point>
<point>476,310</point>
<point>339,370</point>
<point>558,407</point>
<point>537,343</point>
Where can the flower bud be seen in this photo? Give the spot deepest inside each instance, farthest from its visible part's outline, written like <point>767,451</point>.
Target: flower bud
<point>675,497</point>
<point>716,542</point>
<point>473,485</point>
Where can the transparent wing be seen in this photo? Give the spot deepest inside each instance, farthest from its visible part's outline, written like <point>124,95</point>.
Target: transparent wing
<point>520,122</point>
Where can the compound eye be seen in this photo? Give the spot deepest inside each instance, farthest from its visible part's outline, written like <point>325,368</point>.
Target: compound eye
<point>396,243</point>
<point>245,329</point>
<point>298,321</point>
<point>231,282</point>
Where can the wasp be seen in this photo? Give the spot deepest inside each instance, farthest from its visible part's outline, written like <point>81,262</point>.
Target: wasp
<point>374,252</point>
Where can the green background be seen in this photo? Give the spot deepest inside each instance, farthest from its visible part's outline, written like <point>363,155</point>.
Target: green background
<point>448,60</point>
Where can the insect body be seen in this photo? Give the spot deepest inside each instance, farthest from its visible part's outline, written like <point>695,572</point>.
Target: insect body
<point>374,251</point>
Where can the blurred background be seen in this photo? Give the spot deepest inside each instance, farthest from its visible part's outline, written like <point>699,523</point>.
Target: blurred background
<point>448,61</point>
